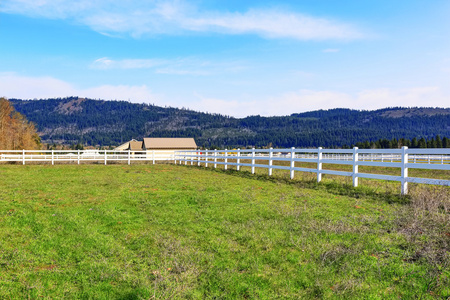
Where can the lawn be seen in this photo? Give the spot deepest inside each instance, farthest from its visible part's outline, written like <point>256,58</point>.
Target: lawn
<point>168,231</point>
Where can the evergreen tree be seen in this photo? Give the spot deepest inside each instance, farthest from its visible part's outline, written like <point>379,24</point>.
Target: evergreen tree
<point>438,142</point>
<point>431,143</point>
<point>445,142</point>
<point>394,143</point>
<point>422,143</point>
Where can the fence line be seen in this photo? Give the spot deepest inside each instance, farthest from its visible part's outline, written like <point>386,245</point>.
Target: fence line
<point>404,158</point>
<point>79,156</point>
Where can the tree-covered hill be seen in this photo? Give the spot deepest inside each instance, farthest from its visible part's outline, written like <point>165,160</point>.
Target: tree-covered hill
<point>96,122</point>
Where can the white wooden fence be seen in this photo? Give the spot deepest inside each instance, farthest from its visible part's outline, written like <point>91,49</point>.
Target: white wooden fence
<point>404,159</point>
<point>78,156</point>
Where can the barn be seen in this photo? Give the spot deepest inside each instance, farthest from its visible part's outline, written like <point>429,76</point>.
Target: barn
<point>158,148</point>
<point>169,144</point>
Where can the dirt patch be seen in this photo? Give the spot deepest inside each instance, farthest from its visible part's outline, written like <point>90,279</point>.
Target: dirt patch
<point>71,107</point>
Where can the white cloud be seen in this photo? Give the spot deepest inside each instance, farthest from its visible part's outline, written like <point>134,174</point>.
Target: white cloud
<point>16,86</point>
<point>419,96</point>
<point>330,50</point>
<point>173,71</point>
<point>142,18</point>
<point>274,24</point>
<point>180,66</point>
<point>22,87</point>
<point>308,100</point>
<point>106,63</point>
<point>136,94</point>
<point>285,104</point>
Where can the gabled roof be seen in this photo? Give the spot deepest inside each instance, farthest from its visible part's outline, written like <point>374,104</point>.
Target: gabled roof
<point>124,146</point>
<point>135,145</point>
<point>169,143</point>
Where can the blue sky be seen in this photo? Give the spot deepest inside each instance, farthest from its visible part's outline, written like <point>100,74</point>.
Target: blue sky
<point>232,57</point>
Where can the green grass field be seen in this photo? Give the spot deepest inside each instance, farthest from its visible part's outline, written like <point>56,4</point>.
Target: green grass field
<point>180,232</point>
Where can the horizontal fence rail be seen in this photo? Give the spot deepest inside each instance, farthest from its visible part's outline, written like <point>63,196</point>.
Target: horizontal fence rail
<point>403,159</point>
<point>78,156</point>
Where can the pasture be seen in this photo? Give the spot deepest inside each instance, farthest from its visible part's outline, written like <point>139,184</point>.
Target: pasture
<point>180,232</point>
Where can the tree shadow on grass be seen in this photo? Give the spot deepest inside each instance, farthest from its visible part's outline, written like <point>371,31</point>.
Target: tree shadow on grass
<point>335,187</point>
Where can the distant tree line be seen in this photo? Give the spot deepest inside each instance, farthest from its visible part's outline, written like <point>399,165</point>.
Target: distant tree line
<point>87,122</point>
<point>434,142</point>
<point>16,133</point>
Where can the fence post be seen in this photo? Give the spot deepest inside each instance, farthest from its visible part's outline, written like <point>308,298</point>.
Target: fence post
<point>53,157</point>
<point>238,167</point>
<point>206,158</point>
<point>78,157</point>
<point>319,164</point>
<point>226,160</point>
<point>404,170</point>
<point>129,157</point>
<point>199,158</point>
<point>23,156</point>
<point>270,160</point>
<point>355,167</point>
<point>215,158</point>
<point>253,160</point>
<point>292,166</point>
<point>105,157</point>
<point>153,156</point>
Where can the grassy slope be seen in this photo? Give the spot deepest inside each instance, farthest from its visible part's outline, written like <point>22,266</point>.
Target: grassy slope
<point>132,232</point>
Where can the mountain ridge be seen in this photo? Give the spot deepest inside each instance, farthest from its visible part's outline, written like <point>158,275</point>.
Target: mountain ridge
<point>111,122</point>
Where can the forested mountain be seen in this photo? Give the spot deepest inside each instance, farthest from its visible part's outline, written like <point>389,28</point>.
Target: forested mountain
<point>95,122</point>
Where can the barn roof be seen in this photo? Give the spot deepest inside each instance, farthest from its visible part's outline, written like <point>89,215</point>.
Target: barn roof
<point>124,146</point>
<point>135,145</point>
<point>169,143</point>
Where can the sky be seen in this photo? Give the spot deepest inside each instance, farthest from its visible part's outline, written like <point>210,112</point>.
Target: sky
<point>233,57</point>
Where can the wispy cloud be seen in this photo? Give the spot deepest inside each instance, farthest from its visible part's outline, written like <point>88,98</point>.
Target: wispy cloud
<point>331,50</point>
<point>273,24</point>
<point>308,100</point>
<point>172,71</point>
<point>146,18</point>
<point>11,86</point>
<point>106,63</point>
<point>179,66</point>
